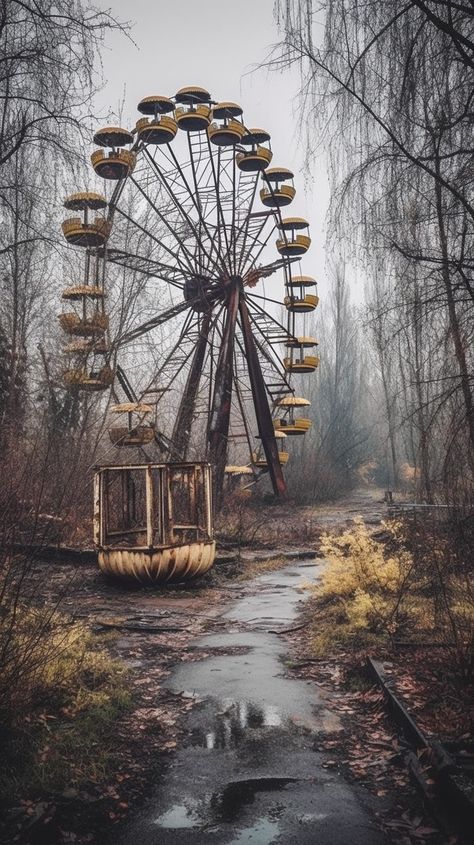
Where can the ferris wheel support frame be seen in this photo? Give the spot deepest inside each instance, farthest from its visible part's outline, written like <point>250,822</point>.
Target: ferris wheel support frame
<point>182,426</point>
<point>222,396</point>
<point>266,429</point>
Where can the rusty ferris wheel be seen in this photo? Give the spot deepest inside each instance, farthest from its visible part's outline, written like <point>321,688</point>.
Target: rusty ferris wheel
<point>204,210</point>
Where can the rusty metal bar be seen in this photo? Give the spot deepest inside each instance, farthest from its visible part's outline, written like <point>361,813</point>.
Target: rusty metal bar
<point>260,401</point>
<point>149,506</point>
<point>222,398</point>
<point>98,510</point>
<point>182,426</point>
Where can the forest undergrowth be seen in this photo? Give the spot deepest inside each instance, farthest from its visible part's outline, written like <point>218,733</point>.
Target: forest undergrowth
<point>403,594</point>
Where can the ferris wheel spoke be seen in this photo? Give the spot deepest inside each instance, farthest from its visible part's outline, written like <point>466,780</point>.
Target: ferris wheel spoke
<point>276,378</point>
<point>180,207</point>
<point>221,223</point>
<point>202,212</point>
<point>240,389</point>
<point>173,254</point>
<point>146,327</point>
<point>222,395</point>
<point>147,266</point>
<point>201,218</point>
<point>244,209</point>
<point>255,244</point>
<point>165,223</point>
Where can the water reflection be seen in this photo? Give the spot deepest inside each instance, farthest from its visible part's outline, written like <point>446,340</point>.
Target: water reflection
<point>233,723</point>
<point>262,832</point>
<point>227,804</point>
<point>178,817</point>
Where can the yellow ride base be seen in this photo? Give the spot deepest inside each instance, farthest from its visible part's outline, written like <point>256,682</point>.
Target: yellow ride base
<point>163,565</point>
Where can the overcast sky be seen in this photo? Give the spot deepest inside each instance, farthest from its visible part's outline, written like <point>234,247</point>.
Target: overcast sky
<point>216,44</point>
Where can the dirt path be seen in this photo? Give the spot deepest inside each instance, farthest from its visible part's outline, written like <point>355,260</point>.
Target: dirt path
<point>219,745</point>
<point>246,771</point>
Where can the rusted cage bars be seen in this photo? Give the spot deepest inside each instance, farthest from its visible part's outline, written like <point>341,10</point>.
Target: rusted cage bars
<point>154,521</point>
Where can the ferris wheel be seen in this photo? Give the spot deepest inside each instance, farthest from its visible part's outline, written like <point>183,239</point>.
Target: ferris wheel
<point>205,364</point>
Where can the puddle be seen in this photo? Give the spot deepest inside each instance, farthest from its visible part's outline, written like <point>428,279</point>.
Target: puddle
<point>247,773</point>
<point>255,680</point>
<point>233,723</point>
<point>227,805</point>
<point>178,817</point>
<point>263,832</point>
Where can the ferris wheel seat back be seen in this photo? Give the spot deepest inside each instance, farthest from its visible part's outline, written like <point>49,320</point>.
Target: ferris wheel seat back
<point>87,234</point>
<point>261,462</point>
<point>89,381</point>
<point>298,245</point>
<point>140,435</point>
<point>292,427</point>
<point>304,364</point>
<point>73,324</point>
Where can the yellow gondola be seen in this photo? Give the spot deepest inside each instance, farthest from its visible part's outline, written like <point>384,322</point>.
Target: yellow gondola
<point>135,433</point>
<point>298,301</point>
<point>194,112</point>
<point>90,233</point>
<point>288,423</point>
<point>293,244</point>
<point>84,326</point>
<point>274,194</point>
<point>117,163</point>
<point>93,380</point>
<point>298,361</point>
<point>158,129</point>
<point>259,458</point>
<point>227,131</point>
<point>258,157</point>
<point>139,528</point>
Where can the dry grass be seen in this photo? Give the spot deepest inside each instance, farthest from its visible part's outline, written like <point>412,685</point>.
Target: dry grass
<point>372,593</point>
<point>59,728</point>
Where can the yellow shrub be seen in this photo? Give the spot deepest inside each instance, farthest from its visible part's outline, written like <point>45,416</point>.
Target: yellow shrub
<point>363,588</point>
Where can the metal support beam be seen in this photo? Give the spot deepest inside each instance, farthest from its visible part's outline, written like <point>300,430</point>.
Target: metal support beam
<point>182,426</point>
<point>221,401</point>
<point>260,401</point>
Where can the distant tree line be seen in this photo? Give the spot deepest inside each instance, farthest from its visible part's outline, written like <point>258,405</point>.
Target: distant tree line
<point>387,89</point>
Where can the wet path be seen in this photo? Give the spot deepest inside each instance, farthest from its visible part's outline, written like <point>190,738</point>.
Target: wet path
<point>247,772</point>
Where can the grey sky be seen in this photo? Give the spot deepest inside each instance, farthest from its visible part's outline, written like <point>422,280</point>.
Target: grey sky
<point>216,44</point>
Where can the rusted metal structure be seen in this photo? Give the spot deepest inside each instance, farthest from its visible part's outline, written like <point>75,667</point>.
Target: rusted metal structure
<point>153,522</point>
<point>219,362</point>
